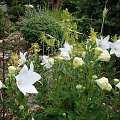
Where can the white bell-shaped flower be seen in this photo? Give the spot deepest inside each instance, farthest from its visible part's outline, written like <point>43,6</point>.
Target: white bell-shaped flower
<point>26,78</point>
<point>115,48</point>
<point>22,57</point>
<point>103,43</point>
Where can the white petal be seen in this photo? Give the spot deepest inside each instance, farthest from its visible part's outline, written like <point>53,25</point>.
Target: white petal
<point>32,78</point>
<point>27,89</point>
<point>112,51</point>
<point>25,53</point>
<point>67,47</point>
<point>104,45</point>
<point>48,65</point>
<point>62,50</point>
<point>24,69</point>
<point>107,38</point>
<point>31,67</point>
<point>31,89</point>
<point>117,44</point>
<point>118,85</point>
<point>22,57</point>
<point>117,53</point>
<point>33,118</point>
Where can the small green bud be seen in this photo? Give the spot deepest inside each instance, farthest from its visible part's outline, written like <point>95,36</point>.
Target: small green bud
<point>21,107</point>
<point>79,87</point>
<point>94,77</point>
<point>12,70</point>
<point>105,11</point>
<point>64,114</point>
<point>116,81</point>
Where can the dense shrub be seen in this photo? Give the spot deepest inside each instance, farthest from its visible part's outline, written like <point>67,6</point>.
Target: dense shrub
<point>15,12</point>
<point>33,27</point>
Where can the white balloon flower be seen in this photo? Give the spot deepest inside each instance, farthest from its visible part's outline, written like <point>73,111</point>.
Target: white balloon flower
<point>115,48</point>
<point>22,57</point>
<point>103,43</point>
<point>47,62</point>
<point>66,50</point>
<point>118,85</point>
<point>26,78</point>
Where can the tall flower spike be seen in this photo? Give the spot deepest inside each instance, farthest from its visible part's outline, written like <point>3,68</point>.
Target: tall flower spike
<point>22,57</point>
<point>26,78</point>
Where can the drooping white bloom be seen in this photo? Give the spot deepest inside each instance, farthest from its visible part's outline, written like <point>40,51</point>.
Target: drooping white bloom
<point>22,57</point>
<point>68,47</point>
<point>115,48</point>
<point>103,43</point>
<point>104,84</point>
<point>105,56</point>
<point>118,85</point>
<point>66,50</point>
<point>47,62</point>
<point>65,55</point>
<point>29,6</point>
<point>26,78</point>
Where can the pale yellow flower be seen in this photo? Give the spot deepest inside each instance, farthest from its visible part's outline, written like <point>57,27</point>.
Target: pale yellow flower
<point>104,84</point>
<point>11,69</point>
<point>98,51</point>
<point>79,87</point>
<point>78,62</point>
<point>51,61</point>
<point>105,56</point>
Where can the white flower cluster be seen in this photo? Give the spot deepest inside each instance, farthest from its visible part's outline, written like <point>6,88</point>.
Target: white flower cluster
<point>105,44</point>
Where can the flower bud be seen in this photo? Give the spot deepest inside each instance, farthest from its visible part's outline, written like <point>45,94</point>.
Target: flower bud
<point>104,84</point>
<point>98,51</point>
<point>116,81</point>
<point>51,61</point>
<point>79,87</point>
<point>109,87</point>
<point>64,114</point>
<point>83,54</point>
<point>11,70</point>
<point>105,56</point>
<point>21,107</point>
<point>77,62</point>
<point>105,11</point>
<point>59,58</point>
<point>94,77</point>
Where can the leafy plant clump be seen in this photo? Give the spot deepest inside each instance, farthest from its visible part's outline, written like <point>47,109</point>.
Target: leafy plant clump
<point>33,28</point>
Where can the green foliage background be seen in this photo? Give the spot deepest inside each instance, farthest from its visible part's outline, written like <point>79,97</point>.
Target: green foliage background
<point>89,13</point>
